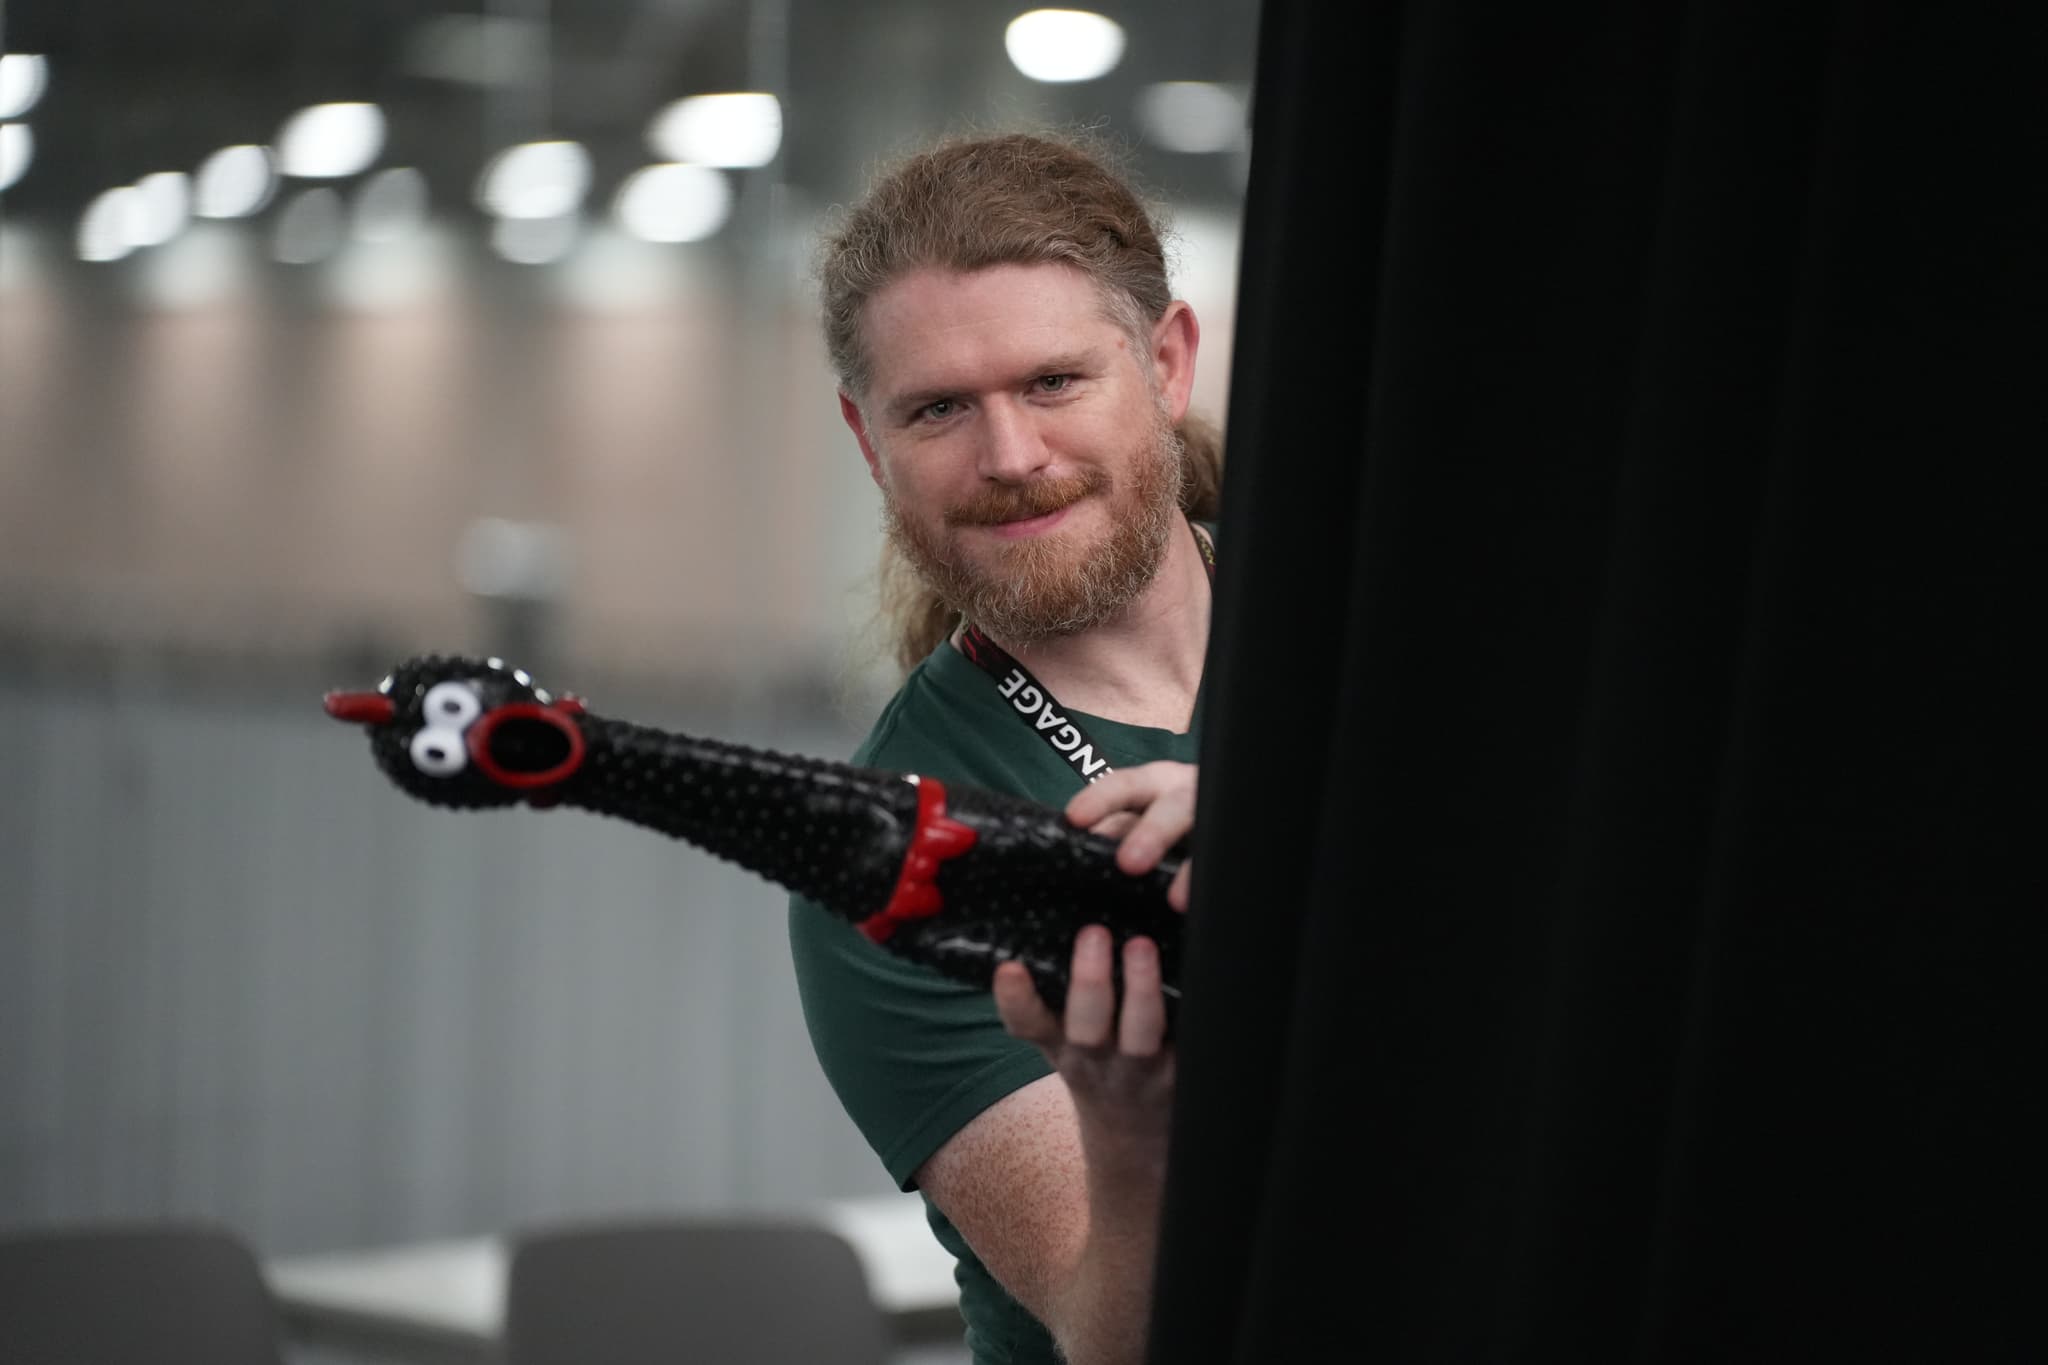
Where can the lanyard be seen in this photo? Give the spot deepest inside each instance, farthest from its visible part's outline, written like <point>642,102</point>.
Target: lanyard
<point>1035,704</point>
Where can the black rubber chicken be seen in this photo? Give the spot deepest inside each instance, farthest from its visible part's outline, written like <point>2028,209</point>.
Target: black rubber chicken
<point>956,877</point>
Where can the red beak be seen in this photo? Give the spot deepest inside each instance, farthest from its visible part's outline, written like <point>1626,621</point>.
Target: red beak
<point>360,708</point>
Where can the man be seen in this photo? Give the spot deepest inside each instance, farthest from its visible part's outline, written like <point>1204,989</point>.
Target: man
<point>1015,368</point>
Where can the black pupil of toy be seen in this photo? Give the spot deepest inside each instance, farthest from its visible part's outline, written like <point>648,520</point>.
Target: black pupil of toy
<point>528,746</point>
<point>437,753</point>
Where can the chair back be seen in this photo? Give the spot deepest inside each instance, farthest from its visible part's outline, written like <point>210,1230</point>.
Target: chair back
<point>720,1291</point>
<point>134,1294</point>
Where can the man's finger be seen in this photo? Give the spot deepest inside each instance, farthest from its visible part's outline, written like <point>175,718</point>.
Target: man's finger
<point>1023,1014</point>
<point>1114,826</point>
<point>1141,1026</point>
<point>1124,789</point>
<point>1091,990</point>
<point>1165,822</point>
<point>1183,885</point>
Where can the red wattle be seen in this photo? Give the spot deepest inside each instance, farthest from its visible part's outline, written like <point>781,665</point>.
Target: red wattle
<point>933,839</point>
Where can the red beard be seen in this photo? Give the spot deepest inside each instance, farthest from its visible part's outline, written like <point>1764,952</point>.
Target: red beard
<point>1048,585</point>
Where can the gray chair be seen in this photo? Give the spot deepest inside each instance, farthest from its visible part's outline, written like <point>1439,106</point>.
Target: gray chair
<point>150,1294</point>
<point>716,1291</point>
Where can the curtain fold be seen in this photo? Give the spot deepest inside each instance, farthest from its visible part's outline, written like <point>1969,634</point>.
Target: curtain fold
<point>1614,938</point>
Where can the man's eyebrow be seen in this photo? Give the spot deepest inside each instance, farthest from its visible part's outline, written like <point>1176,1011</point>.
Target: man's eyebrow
<point>1088,358</point>
<point>903,404</point>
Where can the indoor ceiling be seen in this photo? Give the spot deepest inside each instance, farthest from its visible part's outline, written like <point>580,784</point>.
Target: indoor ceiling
<point>136,86</point>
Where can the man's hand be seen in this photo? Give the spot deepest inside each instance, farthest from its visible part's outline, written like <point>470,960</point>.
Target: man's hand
<point>1115,1062</point>
<point>1058,1185</point>
<point>1117,1070</point>
<point>1151,808</point>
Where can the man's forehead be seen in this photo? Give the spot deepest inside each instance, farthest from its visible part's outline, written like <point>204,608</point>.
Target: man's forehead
<point>933,321</point>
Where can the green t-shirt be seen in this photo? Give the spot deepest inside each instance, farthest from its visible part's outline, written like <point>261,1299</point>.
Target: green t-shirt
<point>915,1055</point>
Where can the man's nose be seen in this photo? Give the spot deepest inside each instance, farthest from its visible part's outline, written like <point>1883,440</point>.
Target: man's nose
<point>1012,447</point>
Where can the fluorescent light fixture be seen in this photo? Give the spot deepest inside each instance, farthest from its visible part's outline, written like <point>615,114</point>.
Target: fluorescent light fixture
<point>17,149</point>
<point>535,241</point>
<point>1191,116</point>
<point>23,78</point>
<point>164,206</point>
<point>105,230</point>
<point>1064,44</point>
<point>719,130</point>
<point>391,204</point>
<point>673,203</point>
<point>327,141</point>
<point>234,182</point>
<point>310,228</point>
<point>535,180</point>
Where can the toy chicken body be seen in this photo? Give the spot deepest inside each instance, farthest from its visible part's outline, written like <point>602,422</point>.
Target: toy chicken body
<point>955,877</point>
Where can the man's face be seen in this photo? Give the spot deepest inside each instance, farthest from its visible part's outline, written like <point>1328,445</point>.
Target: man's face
<point>1023,445</point>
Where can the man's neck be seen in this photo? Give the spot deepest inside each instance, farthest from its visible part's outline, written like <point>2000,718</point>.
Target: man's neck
<point>1143,666</point>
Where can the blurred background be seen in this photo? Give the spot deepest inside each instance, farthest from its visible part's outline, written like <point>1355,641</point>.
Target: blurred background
<point>335,333</point>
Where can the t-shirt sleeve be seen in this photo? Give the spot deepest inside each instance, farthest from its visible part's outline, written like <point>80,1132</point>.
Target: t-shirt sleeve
<point>912,1054</point>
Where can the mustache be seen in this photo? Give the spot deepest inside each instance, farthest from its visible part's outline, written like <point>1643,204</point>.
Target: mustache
<point>1019,502</point>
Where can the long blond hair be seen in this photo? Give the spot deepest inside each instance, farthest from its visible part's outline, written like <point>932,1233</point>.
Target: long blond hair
<point>975,202</point>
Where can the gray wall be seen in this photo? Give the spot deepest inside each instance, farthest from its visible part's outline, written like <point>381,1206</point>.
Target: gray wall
<point>241,976</point>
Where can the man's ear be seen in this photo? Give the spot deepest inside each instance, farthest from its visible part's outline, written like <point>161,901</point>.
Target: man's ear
<point>1176,337</point>
<point>849,412</point>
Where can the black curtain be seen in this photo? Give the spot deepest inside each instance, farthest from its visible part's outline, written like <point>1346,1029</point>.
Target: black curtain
<point>1616,936</point>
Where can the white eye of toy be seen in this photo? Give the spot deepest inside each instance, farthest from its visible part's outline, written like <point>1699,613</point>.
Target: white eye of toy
<point>452,704</point>
<point>438,752</point>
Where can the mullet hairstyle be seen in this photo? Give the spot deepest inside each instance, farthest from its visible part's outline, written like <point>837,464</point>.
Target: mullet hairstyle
<point>971,203</point>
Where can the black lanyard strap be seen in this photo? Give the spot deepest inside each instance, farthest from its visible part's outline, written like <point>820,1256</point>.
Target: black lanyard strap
<point>1034,702</point>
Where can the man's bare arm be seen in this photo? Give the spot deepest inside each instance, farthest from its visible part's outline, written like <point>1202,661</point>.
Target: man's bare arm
<point>1057,1186</point>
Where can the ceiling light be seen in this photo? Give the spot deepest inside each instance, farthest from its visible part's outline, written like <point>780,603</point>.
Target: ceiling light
<point>325,141</point>
<point>104,230</point>
<point>23,77</point>
<point>17,149</point>
<point>673,203</point>
<point>1064,44</point>
<point>535,180</point>
<point>719,130</point>
<point>1191,116</point>
<point>163,207</point>
<point>234,182</point>
<point>535,241</point>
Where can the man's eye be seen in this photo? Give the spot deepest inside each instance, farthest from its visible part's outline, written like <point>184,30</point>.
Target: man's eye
<point>944,407</point>
<point>1053,383</point>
